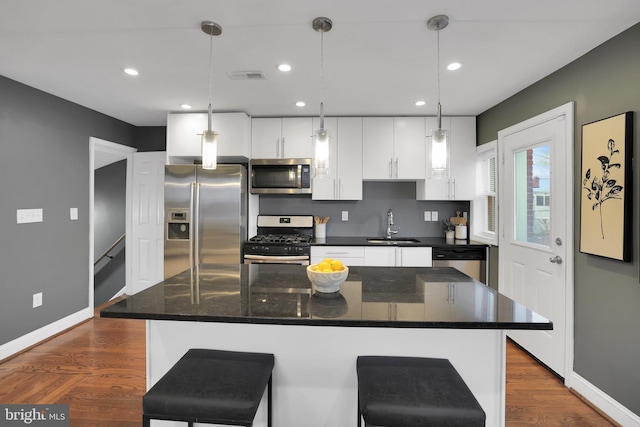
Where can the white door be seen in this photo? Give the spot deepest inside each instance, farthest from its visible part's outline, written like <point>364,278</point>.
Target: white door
<point>536,243</point>
<point>147,221</point>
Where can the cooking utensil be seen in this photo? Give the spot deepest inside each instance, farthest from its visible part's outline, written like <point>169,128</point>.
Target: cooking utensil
<point>458,219</point>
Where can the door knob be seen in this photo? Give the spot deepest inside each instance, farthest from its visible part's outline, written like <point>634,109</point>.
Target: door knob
<point>556,259</point>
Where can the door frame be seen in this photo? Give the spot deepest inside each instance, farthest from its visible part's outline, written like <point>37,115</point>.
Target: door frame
<point>116,152</point>
<point>566,110</point>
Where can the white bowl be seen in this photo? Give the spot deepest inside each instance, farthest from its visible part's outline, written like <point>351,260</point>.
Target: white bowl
<point>327,282</point>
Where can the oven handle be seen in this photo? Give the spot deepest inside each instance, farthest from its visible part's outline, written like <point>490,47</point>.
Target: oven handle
<point>276,259</point>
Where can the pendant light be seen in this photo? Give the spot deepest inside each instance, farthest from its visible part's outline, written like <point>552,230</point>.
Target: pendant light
<point>439,136</point>
<point>210,137</point>
<point>321,137</point>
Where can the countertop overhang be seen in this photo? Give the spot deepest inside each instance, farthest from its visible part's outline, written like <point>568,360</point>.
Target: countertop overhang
<point>398,297</point>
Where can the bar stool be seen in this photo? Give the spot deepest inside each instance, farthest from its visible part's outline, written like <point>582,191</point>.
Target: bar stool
<point>213,387</point>
<point>414,392</point>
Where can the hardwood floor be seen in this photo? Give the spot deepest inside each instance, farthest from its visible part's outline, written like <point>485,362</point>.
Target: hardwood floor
<point>98,368</point>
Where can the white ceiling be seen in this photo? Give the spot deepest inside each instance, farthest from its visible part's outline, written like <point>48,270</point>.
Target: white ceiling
<point>378,59</point>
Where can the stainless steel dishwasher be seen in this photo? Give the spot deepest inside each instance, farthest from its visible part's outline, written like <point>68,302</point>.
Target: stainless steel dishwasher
<point>471,260</point>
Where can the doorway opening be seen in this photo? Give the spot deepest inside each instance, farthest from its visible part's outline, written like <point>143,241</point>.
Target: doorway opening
<point>102,154</point>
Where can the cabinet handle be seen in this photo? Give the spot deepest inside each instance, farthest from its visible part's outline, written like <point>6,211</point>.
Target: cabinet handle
<point>391,167</point>
<point>282,146</point>
<point>277,147</point>
<point>396,167</point>
<point>453,189</point>
<point>338,194</point>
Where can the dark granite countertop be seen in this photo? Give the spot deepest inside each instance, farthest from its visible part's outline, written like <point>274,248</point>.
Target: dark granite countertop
<point>436,297</point>
<point>434,242</point>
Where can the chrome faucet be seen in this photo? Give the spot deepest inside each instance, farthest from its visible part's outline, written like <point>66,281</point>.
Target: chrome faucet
<point>389,224</point>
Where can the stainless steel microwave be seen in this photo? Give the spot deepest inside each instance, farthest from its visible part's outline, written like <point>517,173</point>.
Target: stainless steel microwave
<point>280,176</point>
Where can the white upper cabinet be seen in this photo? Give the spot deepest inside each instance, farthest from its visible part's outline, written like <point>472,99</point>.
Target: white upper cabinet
<point>184,140</point>
<point>409,141</point>
<point>393,148</point>
<point>289,137</point>
<point>345,169</point>
<point>377,147</point>
<point>462,147</point>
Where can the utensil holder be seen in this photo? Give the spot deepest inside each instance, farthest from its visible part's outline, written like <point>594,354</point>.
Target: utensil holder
<point>321,231</point>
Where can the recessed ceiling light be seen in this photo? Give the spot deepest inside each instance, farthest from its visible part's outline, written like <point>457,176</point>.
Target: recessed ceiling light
<point>454,66</point>
<point>420,103</point>
<point>300,104</point>
<point>284,67</point>
<point>131,71</point>
<point>185,106</point>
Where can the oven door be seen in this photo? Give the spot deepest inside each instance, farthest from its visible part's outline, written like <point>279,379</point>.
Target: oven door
<point>273,259</point>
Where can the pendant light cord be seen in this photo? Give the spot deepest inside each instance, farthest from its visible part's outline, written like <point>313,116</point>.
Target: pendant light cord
<point>210,78</point>
<point>439,112</point>
<point>322,79</point>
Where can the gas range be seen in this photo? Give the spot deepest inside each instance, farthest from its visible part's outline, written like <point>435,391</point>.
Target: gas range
<point>282,239</point>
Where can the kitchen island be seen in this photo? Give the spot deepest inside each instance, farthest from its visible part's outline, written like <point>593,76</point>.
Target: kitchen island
<point>429,312</point>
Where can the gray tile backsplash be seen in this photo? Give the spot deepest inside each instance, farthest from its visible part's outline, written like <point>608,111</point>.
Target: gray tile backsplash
<point>368,217</point>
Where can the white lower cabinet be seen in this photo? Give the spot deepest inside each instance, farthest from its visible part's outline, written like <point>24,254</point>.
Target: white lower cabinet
<point>349,255</point>
<point>398,256</point>
<point>374,256</point>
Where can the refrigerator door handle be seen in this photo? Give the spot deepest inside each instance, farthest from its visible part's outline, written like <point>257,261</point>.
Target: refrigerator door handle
<point>192,236</point>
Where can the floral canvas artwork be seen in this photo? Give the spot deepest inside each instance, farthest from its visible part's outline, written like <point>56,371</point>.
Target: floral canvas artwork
<point>606,188</point>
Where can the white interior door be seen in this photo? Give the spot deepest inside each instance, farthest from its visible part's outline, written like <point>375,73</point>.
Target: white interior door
<point>147,219</point>
<point>536,217</point>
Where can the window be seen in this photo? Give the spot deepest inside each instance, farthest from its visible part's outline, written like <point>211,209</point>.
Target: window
<point>484,210</point>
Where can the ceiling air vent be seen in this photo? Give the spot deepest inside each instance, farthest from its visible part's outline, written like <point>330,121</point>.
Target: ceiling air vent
<point>246,75</point>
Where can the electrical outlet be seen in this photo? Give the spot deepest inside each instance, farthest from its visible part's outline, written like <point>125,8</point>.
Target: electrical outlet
<point>434,215</point>
<point>345,215</point>
<point>24,216</point>
<point>427,215</point>
<point>37,299</point>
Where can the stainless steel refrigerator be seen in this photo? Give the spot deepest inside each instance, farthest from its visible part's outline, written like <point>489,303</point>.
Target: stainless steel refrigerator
<point>205,217</point>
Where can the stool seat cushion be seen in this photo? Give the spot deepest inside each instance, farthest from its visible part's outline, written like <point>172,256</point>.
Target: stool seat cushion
<point>226,386</point>
<point>412,391</point>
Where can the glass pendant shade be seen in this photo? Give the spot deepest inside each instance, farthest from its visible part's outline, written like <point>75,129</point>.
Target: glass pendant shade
<point>439,154</point>
<point>209,149</point>
<point>321,142</point>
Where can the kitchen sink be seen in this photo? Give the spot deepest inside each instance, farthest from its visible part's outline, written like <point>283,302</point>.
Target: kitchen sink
<point>393,241</point>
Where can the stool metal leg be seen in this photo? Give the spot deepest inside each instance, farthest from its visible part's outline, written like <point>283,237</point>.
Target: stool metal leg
<point>269,402</point>
<point>359,413</point>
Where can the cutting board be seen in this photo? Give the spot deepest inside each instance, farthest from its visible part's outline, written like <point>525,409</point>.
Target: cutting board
<point>458,219</point>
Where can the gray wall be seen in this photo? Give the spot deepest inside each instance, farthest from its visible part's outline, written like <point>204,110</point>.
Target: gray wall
<point>110,204</point>
<point>45,164</point>
<point>603,83</point>
<point>368,217</point>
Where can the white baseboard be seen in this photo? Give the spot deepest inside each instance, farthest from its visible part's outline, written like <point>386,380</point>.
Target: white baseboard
<point>120,292</point>
<point>32,338</point>
<point>604,402</point>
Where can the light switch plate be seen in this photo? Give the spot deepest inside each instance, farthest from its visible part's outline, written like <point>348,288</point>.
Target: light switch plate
<point>345,215</point>
<point>427,215</point>
<point>37,300</point>
<point>73,214</point>
<point>434,215</point>
<point>24,216</point>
